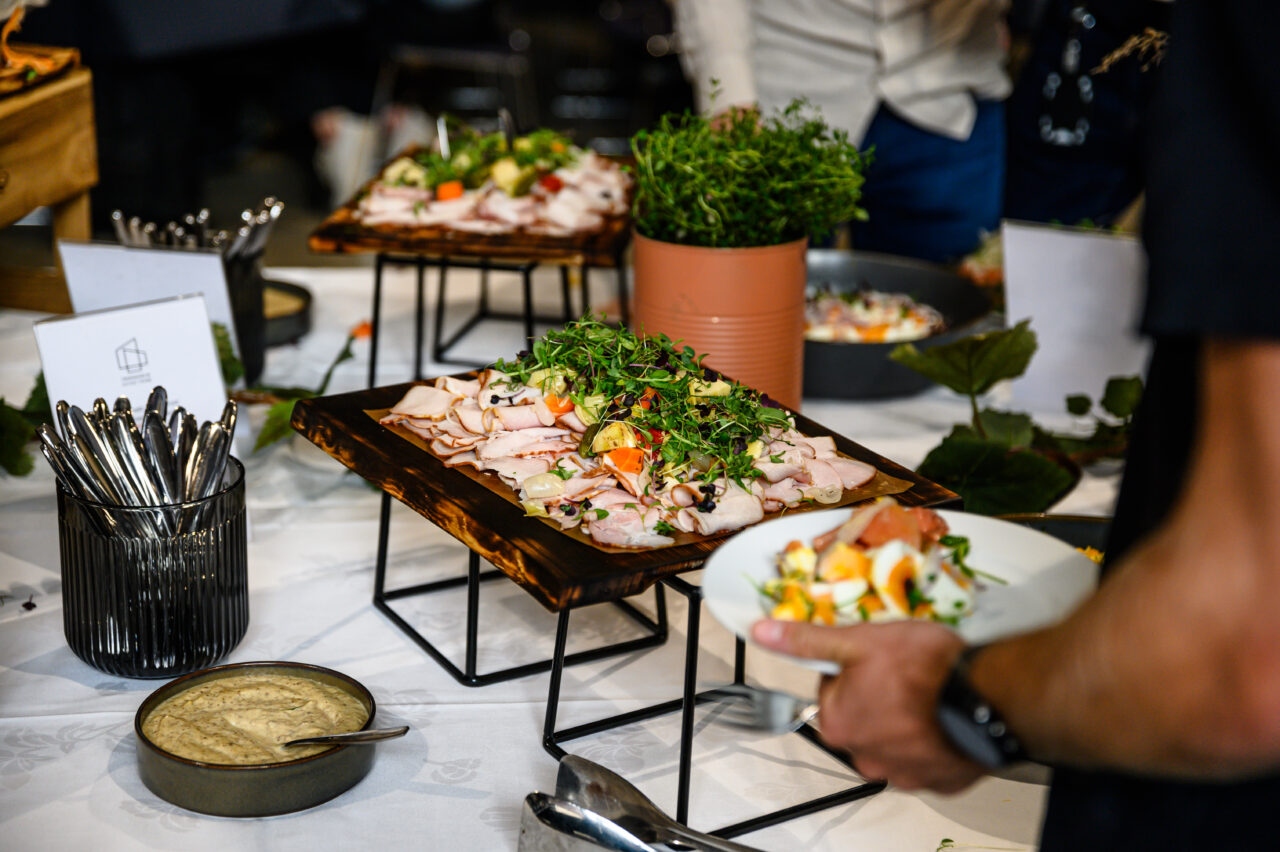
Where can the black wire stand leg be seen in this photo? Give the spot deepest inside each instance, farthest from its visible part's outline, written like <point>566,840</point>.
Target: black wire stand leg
<point>417,320</point>
<point>552,739</point>
<point>376,323</point>
<point>656,628</point>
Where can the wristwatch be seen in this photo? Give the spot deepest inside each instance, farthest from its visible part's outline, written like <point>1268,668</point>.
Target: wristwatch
<point>970,722</point>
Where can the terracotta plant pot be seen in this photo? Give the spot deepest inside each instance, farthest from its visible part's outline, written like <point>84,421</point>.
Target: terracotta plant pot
<point>741,307</point>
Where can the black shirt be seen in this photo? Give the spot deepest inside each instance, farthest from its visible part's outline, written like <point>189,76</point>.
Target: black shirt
<point>1213,212</point>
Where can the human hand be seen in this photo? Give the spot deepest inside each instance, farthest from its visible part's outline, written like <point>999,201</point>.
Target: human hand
<point>881,706</point>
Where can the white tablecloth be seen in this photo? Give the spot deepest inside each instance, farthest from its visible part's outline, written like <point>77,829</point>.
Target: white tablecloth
<point>67,751</point>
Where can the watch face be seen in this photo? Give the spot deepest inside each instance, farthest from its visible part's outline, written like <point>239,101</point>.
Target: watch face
<point>969,737</point>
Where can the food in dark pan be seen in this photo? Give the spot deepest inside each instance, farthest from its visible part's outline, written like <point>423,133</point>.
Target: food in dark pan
<point>835,369</point>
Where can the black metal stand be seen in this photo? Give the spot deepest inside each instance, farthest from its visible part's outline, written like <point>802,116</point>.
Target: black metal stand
<point>467,676</point>
<point>552,739</point>
<point>441,344</point>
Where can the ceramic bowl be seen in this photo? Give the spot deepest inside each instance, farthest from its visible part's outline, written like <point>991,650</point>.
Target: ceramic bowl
<point>835,370</point>
<point>260,789</point>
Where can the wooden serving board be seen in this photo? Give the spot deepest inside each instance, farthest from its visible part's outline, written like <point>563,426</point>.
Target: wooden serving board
<point>342,232</point>
<point>560,570</point>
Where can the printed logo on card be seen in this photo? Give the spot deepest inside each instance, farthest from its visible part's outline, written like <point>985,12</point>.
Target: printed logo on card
<point>131,360</point>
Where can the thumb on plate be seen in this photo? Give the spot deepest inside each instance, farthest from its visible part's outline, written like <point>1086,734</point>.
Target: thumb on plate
<point>807,640</point>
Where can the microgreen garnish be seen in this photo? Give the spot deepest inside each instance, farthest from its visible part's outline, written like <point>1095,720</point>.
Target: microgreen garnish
<point>959,546</point>
<point>663,528</point>
<point>649,383</point>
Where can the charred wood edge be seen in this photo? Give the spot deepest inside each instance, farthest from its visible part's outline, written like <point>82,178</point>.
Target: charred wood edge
<point>559,571</point>
<point>341,233</point>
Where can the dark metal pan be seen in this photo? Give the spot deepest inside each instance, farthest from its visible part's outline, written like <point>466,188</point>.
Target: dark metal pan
<point>863,370</point>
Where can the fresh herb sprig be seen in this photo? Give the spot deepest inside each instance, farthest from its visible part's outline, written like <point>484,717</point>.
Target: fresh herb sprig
<point>743,179</point>
<point>654,386</point>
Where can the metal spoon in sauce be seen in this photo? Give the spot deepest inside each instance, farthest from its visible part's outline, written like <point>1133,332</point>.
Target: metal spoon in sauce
<point>353,737</point>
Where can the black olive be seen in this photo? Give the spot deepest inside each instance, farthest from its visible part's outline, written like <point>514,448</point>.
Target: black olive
<point>586,504</point>
<point>707,488</point>
<point>629,400</point>
<point>567,508</point>
<point>707,505</point>
<point>493,400</point>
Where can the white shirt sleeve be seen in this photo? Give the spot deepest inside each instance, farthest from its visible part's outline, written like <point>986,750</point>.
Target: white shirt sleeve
<point>716,44</point>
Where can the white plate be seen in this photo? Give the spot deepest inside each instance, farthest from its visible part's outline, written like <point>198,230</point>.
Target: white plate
<point>1047,578</point>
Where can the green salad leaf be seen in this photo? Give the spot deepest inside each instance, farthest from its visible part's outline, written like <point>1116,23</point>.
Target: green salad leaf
<point>690,419</point>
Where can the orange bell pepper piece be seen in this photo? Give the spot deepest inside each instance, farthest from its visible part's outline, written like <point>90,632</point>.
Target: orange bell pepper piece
<point>558,404</point>
<point>448,190</point>
<point>627,459</point>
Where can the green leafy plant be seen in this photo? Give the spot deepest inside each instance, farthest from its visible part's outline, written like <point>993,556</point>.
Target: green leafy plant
<point>1001,462</point>
<point>745,179</point>
<point>17,429</point>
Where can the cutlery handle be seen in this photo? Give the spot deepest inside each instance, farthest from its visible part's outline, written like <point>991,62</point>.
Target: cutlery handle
<point>353,737</point>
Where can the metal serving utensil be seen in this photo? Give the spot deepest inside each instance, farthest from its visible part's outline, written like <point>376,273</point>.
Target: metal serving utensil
<point>374,735</point>
<point>442,137</point>
<point>158,401</point>
<point>552,824</point>
<point>615,798</point>
<point>508,126</point>
<point>158,454</point>
<point>769,710</point>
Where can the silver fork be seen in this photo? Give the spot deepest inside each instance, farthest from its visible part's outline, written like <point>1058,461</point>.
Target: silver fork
<point>760,709</point>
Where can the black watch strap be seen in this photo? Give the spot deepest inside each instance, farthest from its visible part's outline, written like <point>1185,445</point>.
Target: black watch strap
<point>970,722</point>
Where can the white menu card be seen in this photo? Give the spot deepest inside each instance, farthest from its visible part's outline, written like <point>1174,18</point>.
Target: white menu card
<point>105,275</point>
<point>1082,290</point>
<point>128,351</point>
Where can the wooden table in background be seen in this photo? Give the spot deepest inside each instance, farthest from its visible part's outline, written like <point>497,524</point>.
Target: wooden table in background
<point>48,158</point>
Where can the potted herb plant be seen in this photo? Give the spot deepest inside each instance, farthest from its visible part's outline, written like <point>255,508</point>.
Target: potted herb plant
<point>724,208</point>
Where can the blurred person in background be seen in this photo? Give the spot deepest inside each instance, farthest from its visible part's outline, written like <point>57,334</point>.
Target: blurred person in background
<point>920,82</point>
<point>1158,701</point>
<point>1075,120</point>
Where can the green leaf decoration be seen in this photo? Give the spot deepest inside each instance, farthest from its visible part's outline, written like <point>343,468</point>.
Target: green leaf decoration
<point>1010,427</point>
<point>1121,396</point>
<point>1108,441</point>
<point>232,368</point>
<point>1079,404</point>
<point>345,355</point>
<point>38,409</point>
<point>972,365</point>
<point>276,425</point>
<point>995,479</point>
<point>15,433</point>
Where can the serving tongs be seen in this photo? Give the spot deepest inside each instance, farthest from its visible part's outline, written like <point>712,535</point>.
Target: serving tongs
<point>507,124</point>
<point>616,799</point>
<point>442,137</point>
<point>552,824</point>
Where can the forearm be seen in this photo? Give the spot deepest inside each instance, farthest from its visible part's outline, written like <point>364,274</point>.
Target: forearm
<point>716,44</point>
<point>1174,666</point>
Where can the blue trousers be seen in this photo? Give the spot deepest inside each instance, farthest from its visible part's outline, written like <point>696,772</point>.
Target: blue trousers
<point>930,196</point>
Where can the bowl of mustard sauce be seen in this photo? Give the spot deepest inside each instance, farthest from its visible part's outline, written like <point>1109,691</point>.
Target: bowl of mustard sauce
<point>212,741</point>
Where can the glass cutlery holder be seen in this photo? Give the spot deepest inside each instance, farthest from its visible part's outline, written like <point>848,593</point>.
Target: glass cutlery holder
<point>141,602</point>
